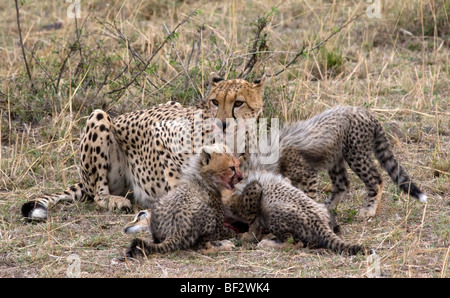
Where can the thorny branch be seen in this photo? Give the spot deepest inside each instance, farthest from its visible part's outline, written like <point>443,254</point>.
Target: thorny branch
<point>75,46</point>
<point>259,44</point>
<point>187,77</point>
<point>169,37</point>
<point>118,34</point>
<point>304,51</point>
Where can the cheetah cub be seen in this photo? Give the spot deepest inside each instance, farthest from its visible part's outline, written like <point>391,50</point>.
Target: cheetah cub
<point>269,202</point>
<point>330,141</point>
<point>192,215</point>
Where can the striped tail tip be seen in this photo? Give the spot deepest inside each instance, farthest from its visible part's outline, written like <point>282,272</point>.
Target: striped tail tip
<point>34,211</point>
<point>423,198</point>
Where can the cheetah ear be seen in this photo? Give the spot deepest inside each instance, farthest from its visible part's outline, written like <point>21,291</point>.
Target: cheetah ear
<point>205,156</point>
<point>259,83</point>
<point>239,156</point>
<point>214,79</point>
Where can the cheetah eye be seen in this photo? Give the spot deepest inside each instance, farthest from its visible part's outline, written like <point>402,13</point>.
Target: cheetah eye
<point>233,169</point>
<point>215,102</point>
<point>238,103</point>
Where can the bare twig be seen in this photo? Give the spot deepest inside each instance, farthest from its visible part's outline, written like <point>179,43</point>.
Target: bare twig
<point>118,34</point>
<point>199,44</point>
<point>73,47</point>
<point>109,72</point>
<point>187,77</point>
<point>78,47</point>
<point>62,68</point>
<point>23,48</point>
<point>154,54</point>
<point>39,63</point>
<point>222,53</point>
<point>190,54</point>
<point>302,51</point>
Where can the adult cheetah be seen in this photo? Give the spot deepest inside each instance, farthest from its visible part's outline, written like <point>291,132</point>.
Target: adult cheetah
<point>142,152</point>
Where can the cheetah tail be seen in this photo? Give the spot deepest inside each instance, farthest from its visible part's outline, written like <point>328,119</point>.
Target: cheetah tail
<point>140,247</point>
<point>36,209</point>
<point>387,160</point>
<point>330,240</point>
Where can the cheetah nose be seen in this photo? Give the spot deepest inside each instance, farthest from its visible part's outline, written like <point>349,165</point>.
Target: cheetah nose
<point>239,176</point>
<point>224,125</point>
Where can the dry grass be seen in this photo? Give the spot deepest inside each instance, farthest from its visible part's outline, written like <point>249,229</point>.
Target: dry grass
<point>397,65</point>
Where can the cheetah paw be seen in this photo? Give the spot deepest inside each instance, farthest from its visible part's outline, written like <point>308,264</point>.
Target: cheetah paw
<point>366,212</point>
<point>226,245</point>
<point>248,237</point>
<point>215,246</point>
<point>268,243</point>
<point>118,203</point>
<point>115,203</point>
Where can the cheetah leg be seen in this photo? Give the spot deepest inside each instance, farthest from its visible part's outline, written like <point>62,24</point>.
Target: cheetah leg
<point>339,178</point>
<point>253,234</point>
<point>366,170</point>
<point>373,204</point>
<point>294,167</point>
<point>280,244</point>
<point>303,179</point>
<point>223,233</point>
<point>287,231</point>
<point>139,247</point>
<point>103,164</point>
<point>309,184</point>
<point>374,185</point>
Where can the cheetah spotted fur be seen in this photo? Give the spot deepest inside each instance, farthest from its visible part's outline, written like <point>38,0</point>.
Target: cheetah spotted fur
<point>192,215</point>
<point>136,153</point>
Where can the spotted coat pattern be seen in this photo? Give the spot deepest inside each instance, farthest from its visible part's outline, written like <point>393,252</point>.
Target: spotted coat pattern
<point>140,154</point>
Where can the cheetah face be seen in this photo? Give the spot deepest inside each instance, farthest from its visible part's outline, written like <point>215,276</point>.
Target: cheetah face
<point>220,168</point>
<point>232,175</point>
<point>141,222</point>
<point>235,99</point>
